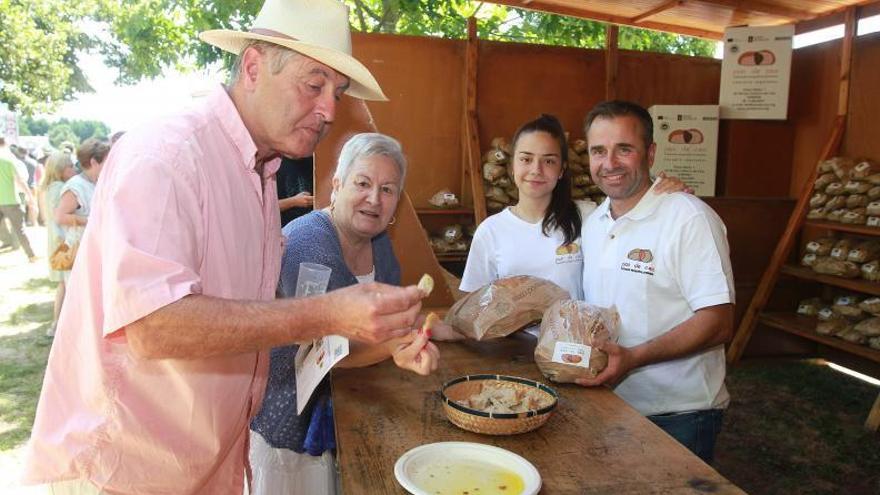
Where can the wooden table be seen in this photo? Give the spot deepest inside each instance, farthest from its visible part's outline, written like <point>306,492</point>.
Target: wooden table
<point>594,443</point>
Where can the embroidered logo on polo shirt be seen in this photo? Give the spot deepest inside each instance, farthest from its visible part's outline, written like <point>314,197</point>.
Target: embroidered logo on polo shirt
<point>641,262</point>
<point>643,255</point>
<point>569,253</point>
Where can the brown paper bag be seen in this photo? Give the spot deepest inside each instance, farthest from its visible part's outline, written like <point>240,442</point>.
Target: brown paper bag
<point>503,306</point>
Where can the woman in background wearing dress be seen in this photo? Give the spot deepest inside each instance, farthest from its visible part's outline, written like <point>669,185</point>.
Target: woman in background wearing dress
<point>58,169</point>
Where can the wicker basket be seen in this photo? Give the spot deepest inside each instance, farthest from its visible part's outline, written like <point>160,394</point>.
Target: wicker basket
<point>493,423</point>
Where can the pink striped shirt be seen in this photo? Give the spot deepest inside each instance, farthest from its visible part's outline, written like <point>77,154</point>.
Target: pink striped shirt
<point>179,210</point>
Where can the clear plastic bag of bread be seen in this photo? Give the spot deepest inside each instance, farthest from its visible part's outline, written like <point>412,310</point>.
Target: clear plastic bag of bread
<point>821,246</point>
<point>835,203</point>
<point>570,332</point>
<point>824,180</point>
<point>504,306</point>
<point>834,326</point>
<point>847,305</point>
<point>871,271</point>
<point>841,166</point>
<point>856,201</point>
<point>830,266</point>
<point>452,233</point>
<point>869,327</point>
<point>864,252</point>
<point>818,199</point>
<point>809,307</point>
<point>809,259</point>
<point>841,248</point>
<point>444,198</point>
<point>856,187</point>
<point>864,169</point>
<point>871,305</point>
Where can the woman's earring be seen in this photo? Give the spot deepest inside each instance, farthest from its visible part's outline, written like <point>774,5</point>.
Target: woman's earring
<point>393,220</point>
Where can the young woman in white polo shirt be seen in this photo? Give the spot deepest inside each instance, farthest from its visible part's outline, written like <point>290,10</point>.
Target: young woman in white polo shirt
<point>540,235</point>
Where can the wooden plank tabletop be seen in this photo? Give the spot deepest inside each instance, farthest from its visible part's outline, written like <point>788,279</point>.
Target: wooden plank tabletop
<point>594,443</point>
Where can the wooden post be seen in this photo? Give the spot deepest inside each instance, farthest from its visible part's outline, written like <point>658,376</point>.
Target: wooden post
<point>846,60</point>
<point>471,124</point>
<point>611,31</point>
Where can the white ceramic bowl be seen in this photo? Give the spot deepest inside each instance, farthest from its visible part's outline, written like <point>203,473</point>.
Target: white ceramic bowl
<point>475,462</point>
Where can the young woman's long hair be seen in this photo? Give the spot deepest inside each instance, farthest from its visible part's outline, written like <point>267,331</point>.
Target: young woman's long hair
<point>562,212</point>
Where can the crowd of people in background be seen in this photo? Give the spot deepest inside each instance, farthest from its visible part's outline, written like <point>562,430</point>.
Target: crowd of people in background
<point>50,188</point>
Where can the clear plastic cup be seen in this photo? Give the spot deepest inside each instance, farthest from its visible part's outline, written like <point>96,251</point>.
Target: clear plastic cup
<point>312,279</point>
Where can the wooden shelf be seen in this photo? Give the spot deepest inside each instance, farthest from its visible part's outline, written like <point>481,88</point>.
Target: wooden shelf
<point>844,227</point>
<point>444,211</point>
<point>451,256</point>
<point>805,326</point>
<point>855,284</point>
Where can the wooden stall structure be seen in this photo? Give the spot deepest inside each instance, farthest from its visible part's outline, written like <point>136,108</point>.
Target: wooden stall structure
<point>450,98</point>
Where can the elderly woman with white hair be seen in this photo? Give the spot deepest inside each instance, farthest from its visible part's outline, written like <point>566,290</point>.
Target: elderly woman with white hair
<point>293,453</point>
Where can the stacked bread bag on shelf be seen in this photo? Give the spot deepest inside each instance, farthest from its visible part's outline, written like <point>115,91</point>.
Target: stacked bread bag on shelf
<point>498,184</point>
<point>851,317</point>
<point>847,257</point>
<point>846,191</point>
<point>452,239</point>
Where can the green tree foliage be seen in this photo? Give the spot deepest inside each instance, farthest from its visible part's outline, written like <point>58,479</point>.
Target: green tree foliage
<point>81,129</point>
<point>448,18</point>
<point>61,133</point>
<point>85,129</point>
<point>29,126</point>
<point>41,40</point>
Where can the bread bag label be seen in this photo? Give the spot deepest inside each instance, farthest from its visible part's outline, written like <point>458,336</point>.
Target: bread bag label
<point>844,301</point>
<point>573,354</point>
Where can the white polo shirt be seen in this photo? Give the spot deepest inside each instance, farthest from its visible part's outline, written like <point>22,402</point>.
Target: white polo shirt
<point>658,264</point>
<point>505,245</point>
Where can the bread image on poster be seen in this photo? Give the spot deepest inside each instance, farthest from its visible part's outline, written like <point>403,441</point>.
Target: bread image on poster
<point>686,136</point>
<point>763,57</point>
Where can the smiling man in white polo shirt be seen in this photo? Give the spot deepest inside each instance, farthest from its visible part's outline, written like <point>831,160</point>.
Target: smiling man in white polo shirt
<point>664,262</point>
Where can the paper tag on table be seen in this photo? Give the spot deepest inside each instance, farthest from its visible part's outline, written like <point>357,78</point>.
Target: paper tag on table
<point>573,354</point>
<point>313,362</point>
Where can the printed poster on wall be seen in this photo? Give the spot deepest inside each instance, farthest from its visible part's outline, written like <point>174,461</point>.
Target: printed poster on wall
<point>687,144</point>
<point>755,72</point>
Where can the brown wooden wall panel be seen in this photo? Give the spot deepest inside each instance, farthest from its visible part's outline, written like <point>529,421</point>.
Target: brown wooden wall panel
<point>754,158</point>
<point>657,79</point>
<point>812,106</point>
<point>517,82</point>
<point>422,78</point>
<point>751,246</point>
<point>862,137</point>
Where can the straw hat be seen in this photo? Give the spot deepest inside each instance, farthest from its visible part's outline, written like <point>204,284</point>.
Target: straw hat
<point>317,29</point>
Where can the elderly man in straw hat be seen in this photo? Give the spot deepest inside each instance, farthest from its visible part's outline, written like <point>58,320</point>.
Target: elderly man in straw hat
<point>159,361</point>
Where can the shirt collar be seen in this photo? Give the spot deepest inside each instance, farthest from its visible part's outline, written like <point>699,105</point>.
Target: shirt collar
<point>220,104</point>
<point>643,209</point>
